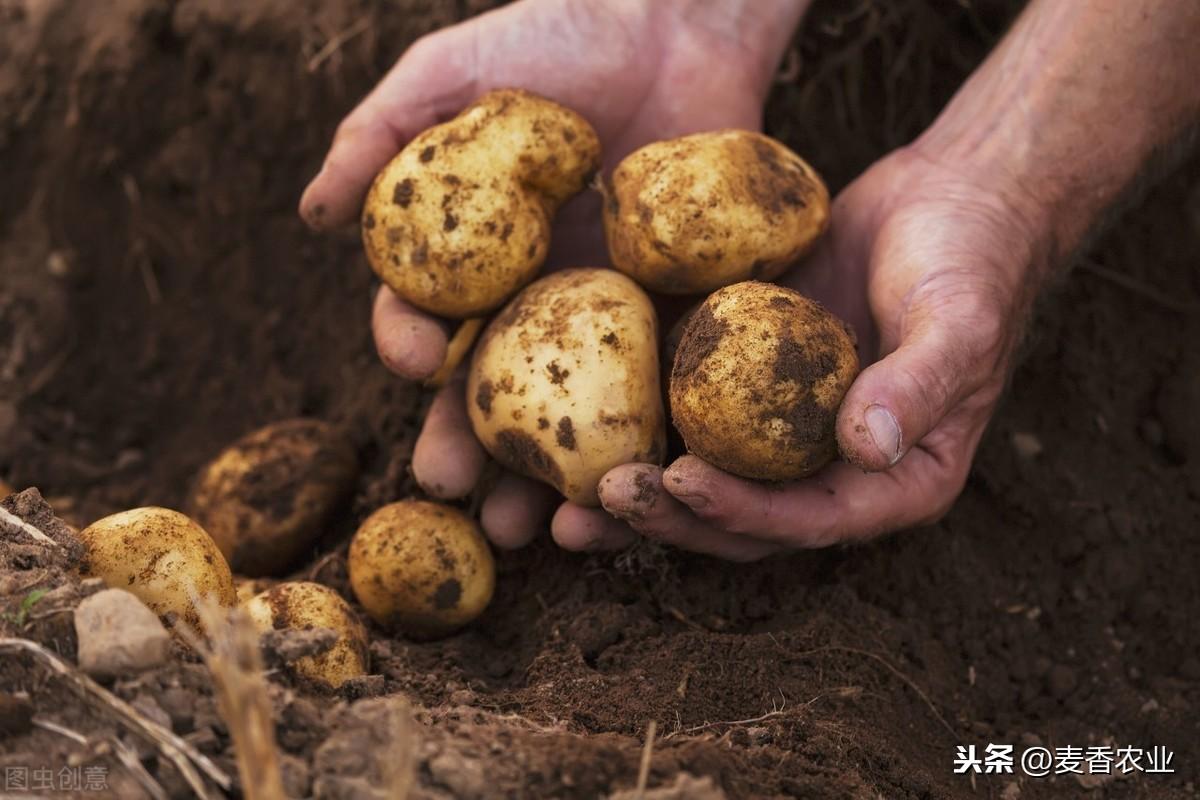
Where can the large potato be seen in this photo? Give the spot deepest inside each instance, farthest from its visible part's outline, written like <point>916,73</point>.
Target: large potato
<point>693,214</point>
<point>161,556</point>
<point>460,219</point>
<point>303,605</point>
<point>266,498</point>
<point>564,384</point>
<point>423,568</point>
<point>757,381</point>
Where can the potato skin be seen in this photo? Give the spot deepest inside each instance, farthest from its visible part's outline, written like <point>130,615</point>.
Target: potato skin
<point>302,604</point>
<point>564,383</point>
<point>265,498</point>
<point>161,556</point>
<point>757,381</point>
<point>693,214</point>
<point>460,219</point>
<point>422,568</point>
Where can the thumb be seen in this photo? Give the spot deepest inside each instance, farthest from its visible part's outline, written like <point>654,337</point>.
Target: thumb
<point>952,342</point>
<point>432,81</point>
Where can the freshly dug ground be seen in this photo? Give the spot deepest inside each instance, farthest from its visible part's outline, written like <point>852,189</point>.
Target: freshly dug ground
<point>159,297</point>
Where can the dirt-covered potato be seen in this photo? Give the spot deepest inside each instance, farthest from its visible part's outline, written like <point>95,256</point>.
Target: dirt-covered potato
<point>757,381</point>
<point>266,498</point>
<point>161,556</point>
<point>693,214</point>
<point>460,219</point>
<point>301,605</point>
<point>564,384</point>
<point>422,568</point>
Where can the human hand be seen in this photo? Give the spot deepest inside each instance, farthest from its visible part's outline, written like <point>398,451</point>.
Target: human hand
<point>639,71</point>
<point>935,267</point>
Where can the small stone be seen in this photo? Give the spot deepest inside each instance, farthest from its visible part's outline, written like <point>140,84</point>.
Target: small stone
<point>1061,681</point>
<point>118,635</point>
<point>16,714</point>
<point>1027,445</point>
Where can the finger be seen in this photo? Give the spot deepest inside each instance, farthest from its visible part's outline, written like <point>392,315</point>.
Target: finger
<point>410,342</point>
<point>431,81</point>
<point>951,343</point>
<point>589,529</point>
<point>634,493</point>
<point>841,504</point>
<point>448,459</point>
<point>516,510</point>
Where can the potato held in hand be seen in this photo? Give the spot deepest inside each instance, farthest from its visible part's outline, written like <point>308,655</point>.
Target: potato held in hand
<point>564,384</point>
<point>693,214</point>
<point>265,499</point>
<point>162,557</point>
<point>302,605</point>
<point>421,567</point>
<point>758,379</point>
<point>460,219</point>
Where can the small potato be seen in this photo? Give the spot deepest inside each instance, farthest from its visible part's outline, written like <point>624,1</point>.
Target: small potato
<point>162,557</point>
<point>693,214</point>
<point>301,605</point>
<point>564,384</point>
<point>460,219</point>
<point>421,567</point>
<point>758,379</point>
<point>266,498</point>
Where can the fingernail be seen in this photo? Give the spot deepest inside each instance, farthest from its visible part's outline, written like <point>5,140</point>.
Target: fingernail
<point>885,432</point>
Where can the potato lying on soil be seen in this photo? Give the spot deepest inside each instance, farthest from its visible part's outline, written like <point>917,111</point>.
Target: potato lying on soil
<point>266,498</point>
<point>460,219</point>
<point>422,568</point>
<point>564,384</point>
<point>301,605</point>
<point>161,556</point>
<point>693,214</point>
<point>757,381</point>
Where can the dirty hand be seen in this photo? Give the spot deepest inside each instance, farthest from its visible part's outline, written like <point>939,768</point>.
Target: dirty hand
<point>935,269</point>
<point>638,70</point>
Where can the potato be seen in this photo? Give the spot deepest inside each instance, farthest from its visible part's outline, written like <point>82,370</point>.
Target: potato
<point>460,219</point>
<point>423,568</point>
<point>564,384</point>
<point>266,498</point>
<point>693,214</point>
<point>161,556</point>
<point>301,605</point>
<point>5,489</point>
<point>245,588</point>
<point>757,381</point>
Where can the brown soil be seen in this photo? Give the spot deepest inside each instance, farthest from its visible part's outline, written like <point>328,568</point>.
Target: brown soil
<point>160,298</point>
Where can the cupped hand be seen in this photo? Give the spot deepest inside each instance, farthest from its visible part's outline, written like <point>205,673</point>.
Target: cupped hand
<point>638,71</point>
<point>935,267</point>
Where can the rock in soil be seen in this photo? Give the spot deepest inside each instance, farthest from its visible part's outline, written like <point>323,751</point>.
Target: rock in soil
<point>118,635</point>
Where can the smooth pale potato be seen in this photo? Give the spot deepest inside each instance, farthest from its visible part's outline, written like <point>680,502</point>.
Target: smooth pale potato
<point>266,498</point>
<point>757,381</point>
<point>564,383</point>
<point>422,568</point>
<point>460,219</point>
<point>162,557</point>
<point>301,605</point>
<point>693,214</point>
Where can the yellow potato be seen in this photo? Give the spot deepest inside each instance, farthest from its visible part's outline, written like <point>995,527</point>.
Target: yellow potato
<point>162,557</point>
<point>5,489</point>
<point>757,381</point>
<point>302,605</point>
<point>564,384</point>
<point>460,219</point>
<point>266,498</point>
<point>693,214</point>
<point>423,568</point>
<point>246,588</point>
